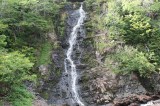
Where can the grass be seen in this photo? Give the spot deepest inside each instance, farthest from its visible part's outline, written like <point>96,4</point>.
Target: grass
<point>45,54</point>
<point>1,103</point>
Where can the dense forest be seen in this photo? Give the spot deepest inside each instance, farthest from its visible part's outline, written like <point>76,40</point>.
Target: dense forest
<point>122,36</point>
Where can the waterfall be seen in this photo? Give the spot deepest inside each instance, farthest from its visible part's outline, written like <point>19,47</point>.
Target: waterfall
<point>69,62</point>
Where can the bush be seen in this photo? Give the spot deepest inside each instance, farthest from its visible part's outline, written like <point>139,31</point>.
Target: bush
<point>20,96</point>
<point>127,60</point>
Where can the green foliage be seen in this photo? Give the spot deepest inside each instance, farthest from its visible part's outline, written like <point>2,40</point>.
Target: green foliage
<point>23,28</point>
<point>26,22</point>
<point>3,26</point>
<point>29,52</point>
<point>45,54</point>
<point>133,6</point>
<point>34,22</point>
<point>14,70</point>
<point>60,24</point>
<point>136,23</point>
<point>128,60</point>
<point>98,10</point>
<point>21,97</point>
<point>137,29</point>
<point>155,7</point>
<point>2,41</point>
<point>114,21</point>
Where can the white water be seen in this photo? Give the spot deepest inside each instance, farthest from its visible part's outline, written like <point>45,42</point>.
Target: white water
<point>148,104</point>
<point>152,103</point>
<point>72,71</point>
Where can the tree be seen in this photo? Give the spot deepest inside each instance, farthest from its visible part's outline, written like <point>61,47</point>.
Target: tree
<point>14,70</point>
<point>138,29</point>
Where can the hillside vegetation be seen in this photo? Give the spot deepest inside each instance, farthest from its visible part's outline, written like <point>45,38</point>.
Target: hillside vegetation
<point>132,27</point>
<point>24,45</point>
<point>126,33</point>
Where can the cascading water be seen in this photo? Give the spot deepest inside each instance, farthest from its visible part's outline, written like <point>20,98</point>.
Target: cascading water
<point>70,67</point>
<point>66,92</point>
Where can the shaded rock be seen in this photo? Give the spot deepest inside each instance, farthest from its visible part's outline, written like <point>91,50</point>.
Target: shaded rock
<point>103,86</point>
<point>131,99</point>
<point>81,66</point>
<point>5,103</point>
<point>153,83</point>
<point>56,58</point>
<point>65,45</point>
<point>40,102</point>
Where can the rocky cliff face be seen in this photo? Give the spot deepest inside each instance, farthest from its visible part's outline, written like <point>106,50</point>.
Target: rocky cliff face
<point>99,86</point>
<point>102,87</point>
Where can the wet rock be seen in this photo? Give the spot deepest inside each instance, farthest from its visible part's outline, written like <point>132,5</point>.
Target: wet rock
<point>57,60</point>
<point>134,104</point>
<point>109,104</point>
<point>156,101</point>
<point>65,45</point>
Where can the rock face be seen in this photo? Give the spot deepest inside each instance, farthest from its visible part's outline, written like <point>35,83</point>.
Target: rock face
<point>102,87</point>
<point>40,102</point>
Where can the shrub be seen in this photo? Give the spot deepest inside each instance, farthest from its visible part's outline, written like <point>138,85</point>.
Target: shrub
<point>127,60</point>
<point>20,96</point>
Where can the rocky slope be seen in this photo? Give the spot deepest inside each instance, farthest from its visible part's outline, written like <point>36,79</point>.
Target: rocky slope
<point>102,87</point>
